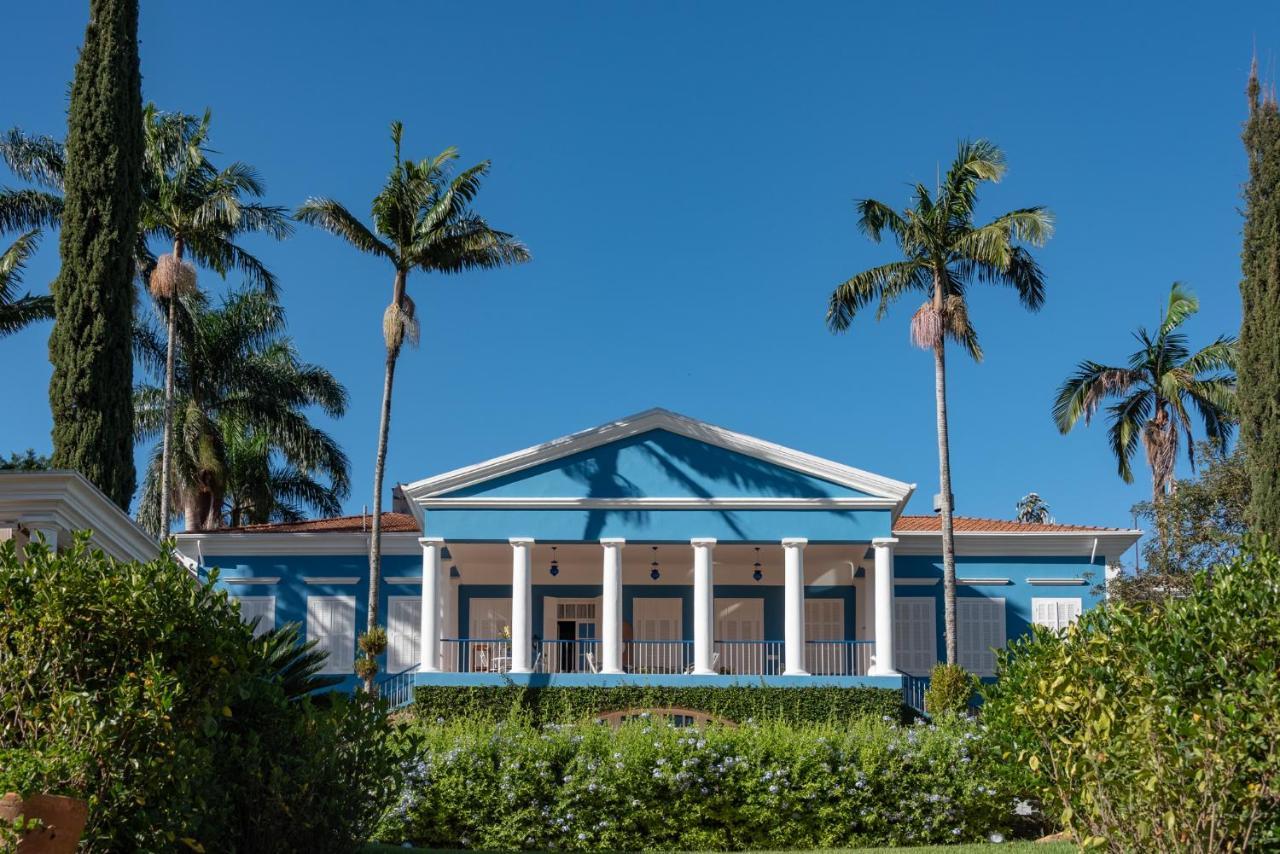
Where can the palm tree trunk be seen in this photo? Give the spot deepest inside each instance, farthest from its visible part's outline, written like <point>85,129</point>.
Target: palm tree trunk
<point>165,512</point>
<point>384,427</point>
<point>944,481</point>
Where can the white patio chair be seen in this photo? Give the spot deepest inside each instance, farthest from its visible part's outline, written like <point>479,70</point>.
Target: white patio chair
<point>591,663</point>
<point>715,661</point>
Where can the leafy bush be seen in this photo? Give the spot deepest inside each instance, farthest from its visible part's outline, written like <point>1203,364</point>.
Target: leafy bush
<point>1155,728</point>
<point>142,692</point>
<point>951,689</point>
<point>736,703</point>
<point>649,785</point>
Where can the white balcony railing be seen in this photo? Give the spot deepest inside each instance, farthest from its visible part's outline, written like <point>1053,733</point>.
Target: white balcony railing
<point>657,656</point>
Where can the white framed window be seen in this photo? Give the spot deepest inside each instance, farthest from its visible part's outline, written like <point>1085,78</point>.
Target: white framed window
<point>260,608</point>
<point>490,618</point>
<point>1055,613</point>
<point>331,623</point>
<point>915,634</point>
<point>979,632</point>
<point>404,632</point>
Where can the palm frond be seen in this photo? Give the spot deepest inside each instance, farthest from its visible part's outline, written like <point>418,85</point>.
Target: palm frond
<point>26,208</point>
<point>1128,418</point>
<point>1085,390</point>
<point>877,284</point>
<point>38,159</point>
<point>1182,304</point>
<point>874,218</point>
<point>332,217</point>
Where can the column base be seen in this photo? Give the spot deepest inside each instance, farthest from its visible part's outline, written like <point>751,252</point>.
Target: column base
<point>874,670</point>
<point>614,672</point>
<point>790,672</point>
<point>707,672</point>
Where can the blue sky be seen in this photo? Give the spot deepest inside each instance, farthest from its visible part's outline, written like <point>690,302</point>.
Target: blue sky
<point>684,175</point>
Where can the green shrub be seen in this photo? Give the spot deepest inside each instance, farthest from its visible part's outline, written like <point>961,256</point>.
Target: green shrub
<point>140,690</point>
<point>647,785</point>
<point>951,689</point>
<point>736,703</point>
<point>1155,728</point>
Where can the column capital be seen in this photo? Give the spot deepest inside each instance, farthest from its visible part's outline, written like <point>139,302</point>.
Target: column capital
<point>613,541</point>
<point>431,541</point>
<point>521,541</point>
<point>795,542</point>
<point>702,541</point>
<point>884,542</point>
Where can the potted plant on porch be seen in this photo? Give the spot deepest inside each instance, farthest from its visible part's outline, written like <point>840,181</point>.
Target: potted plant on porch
<point>34,817</point>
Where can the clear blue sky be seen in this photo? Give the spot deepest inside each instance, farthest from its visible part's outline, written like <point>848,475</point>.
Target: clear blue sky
<point>684,175</point>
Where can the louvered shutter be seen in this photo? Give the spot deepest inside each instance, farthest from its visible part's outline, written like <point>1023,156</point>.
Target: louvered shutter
<point>331,623</point>
<point>915,634</point>
<point>261,608</point>
<point>1055,614</point>
<point>404,632</point>
<point>980,630</point>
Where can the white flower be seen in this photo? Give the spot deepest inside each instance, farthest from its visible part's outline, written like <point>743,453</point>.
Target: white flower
<point>1022,808</point>
<point>997,838</point>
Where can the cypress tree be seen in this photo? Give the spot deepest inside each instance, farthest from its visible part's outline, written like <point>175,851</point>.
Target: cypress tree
<point>91,343</point>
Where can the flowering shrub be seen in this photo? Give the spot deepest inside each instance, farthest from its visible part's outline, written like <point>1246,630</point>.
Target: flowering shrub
<point>651,785</point>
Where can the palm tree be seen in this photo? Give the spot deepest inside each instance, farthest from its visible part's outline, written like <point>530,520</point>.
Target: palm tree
<point>235,374</point>
<point>17,312</point>
<point>200,210</point>
<point>263,485</point>
<point>40,161</point>
<point>1155,394</point>
<point>1032,508</point>
<point>422,220</point>
<point>944,254</point>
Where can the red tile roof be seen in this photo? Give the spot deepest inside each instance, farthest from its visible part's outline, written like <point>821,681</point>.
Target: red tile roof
<point>391,523</point>
<point>975,525</point>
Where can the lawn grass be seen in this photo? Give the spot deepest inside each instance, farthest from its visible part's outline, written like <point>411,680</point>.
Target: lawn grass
<point>978,848</point>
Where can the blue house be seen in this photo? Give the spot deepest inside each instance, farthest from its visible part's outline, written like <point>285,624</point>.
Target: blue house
<point>660,549</point>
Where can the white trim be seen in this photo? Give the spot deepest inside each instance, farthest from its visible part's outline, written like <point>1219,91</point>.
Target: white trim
<point>214,543</point>
<point>916,582</point>
<point>250,579</point>
<point>67,501</point>
<point>651,503</point>
<point>973,582</point>
<point>1110,544</point>
<point>661,419</point>
<point>402,579</point>
<point>330,579</point>
<point>1061,582</point>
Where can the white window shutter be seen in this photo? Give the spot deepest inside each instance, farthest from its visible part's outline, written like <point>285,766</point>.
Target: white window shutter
<point>1056,614</point>
<point>261,608</point>
<point>915,634</point>
<point>331,623</point>
<point>981,630</point>
<point>404,632</point>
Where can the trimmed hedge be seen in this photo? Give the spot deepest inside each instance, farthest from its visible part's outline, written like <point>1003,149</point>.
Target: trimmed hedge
<point>563,704</point>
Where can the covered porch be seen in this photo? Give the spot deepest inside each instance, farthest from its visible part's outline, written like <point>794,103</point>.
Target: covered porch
<point>619,611</point>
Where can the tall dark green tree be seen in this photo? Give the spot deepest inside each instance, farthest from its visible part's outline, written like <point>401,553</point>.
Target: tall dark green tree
<point>1259,349</point>
<point>91,391</point>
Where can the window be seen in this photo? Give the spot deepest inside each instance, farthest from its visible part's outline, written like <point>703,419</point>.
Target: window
<point>490,618</point>
<point>915,634</point>
<point>824,619</point>
<point>576,611</point>
<point>404,632</point>
<point>657,619</point>
<point>331,623</point>
<point>260,608</point>
<point>1055,614</point>
<point>979,631</point>
<point>739,620</point>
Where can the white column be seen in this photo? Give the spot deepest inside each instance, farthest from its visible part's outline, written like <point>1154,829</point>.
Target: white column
<point>703,606</point>
<point>521,604</point>
<point>793,607</point>
<point>882,661</point>
<point>429,658</point>
<point>611,616</point>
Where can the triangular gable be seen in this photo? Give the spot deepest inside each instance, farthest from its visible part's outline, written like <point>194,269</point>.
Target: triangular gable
<point>659,454</point>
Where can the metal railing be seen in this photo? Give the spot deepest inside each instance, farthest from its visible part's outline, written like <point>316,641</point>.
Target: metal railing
<point>657,656</point>
<point>475,655</point>
<point>567,656</point>
<point>838,657</point>
<point>397,688</point>
<point>748,657</point>
<point>913,688</point>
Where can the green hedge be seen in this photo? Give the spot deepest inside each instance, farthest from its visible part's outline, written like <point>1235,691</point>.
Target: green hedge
<point>562,704</point>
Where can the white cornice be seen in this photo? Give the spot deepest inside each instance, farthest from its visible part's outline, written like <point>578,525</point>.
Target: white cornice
<point>249,579</point>
<point>215,544</point>
<point>1108,544</point>
<point>1057,582</point>
<point>330,579</point>
<point>678,503</point>
<point>66,500</point>
<point>662,419</point>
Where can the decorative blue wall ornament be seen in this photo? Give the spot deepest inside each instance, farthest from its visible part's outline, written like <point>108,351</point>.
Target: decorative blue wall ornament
<point>444,554</point>
<point>654,573</point>
<point>555,564</point>
<point>759,573</point>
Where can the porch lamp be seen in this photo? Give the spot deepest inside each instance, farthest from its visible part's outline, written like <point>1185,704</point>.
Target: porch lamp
<point>653,571</point>
<point>759,573</point>
<point>555,564</point>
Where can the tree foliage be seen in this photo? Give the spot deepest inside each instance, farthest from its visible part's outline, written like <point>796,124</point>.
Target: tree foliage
<point>1158,396</point>
<point>1260,292</point>
<point>944,254</point>
<point>18,312</point>
<point>1155,729</point>
<point>90,346</point>
<point>241,401</point>
<point>29,461</point>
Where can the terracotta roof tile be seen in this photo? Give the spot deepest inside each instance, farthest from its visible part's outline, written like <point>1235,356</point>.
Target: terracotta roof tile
<point>391,523</point>
<point>975,525</point>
